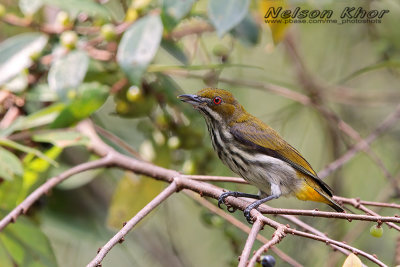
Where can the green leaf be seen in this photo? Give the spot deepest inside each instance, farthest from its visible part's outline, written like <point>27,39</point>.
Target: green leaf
<point>247,31</point>
<point>131,195</point>
<point>41,93</point>
<point>29,7</point>
<point>26,245</point>
<point>39,118</point>
<point>9,165</point>
<point>34,170</point>
<point>225,15</point>
<point>62,138</point>
<point>139,45</point>
<point>26,149</point>
<point>91,97</point>
<point>173,11</point>
<point>175,50</point>
<point>15,53</point>
<point>77,6</point>
<point>68,72</point>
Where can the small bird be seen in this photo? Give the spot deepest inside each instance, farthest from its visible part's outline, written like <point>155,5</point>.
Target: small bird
<point>256,152</point>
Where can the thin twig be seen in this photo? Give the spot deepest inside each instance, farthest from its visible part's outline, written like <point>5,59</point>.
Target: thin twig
<point>257,226</point>
<point>387,123</point>
<point>325,240</point>
<point>277,236</point>
<point>206,178</point>
<point>172,188</point>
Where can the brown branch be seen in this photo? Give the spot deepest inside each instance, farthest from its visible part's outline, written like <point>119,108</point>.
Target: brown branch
<point>23,207</point>
<point>358,205</point>
<point>257,226</point>
<point>243,227</point>
<point>10,116</point>
<point>172,188</point>
<point>279,90</point>
<point>206,178</point>
<point>367,203</point>
<point>278,235</point>
<point>387,123</point>
<point>325,240</point>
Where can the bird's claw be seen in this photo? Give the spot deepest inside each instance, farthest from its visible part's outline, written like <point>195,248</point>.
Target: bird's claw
<point>231,209</point>
<point>246,213</point>
<point>221,200</point>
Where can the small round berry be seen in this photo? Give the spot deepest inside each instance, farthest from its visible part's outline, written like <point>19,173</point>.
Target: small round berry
<point>131,15</point>
<point>174,142</point>
<point>376,231</point>
<point>69,39</point>
<point>268,261</point>
<point>108,32</point>
<point>63,19</point>
<point>133,94</point>
<point>122,107</point>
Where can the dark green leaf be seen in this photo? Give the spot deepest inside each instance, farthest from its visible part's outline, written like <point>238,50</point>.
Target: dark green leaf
<point>173,11</point>
<point>68,72</point>
<point>91,97</point>
<point>175,50</point>
<point>131,195</point>
<point>247,31</point>
<point>225,15</point>
<point>139,45</point>
<point>15,53</point>
<point>26,149</point>
<point>39,118</point>
<point>9,165</point>
<point>26,245</point>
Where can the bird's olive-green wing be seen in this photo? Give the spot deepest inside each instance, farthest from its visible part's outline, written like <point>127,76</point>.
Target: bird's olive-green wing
<point>257,136</point>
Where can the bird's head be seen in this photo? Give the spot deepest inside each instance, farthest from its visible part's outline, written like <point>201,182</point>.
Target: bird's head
<point>217,104</point>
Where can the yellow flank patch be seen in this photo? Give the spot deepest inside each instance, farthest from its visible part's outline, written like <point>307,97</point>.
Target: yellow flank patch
<point>306,192</point>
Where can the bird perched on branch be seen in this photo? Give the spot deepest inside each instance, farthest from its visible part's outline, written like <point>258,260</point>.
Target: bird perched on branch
<point>256,152</point>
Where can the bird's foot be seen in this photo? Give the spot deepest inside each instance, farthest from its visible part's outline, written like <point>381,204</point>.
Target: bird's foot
<point>247,211</point>
<point>221,200</point>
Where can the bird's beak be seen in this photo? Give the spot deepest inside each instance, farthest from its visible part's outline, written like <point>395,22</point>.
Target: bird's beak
<point>195,100</point>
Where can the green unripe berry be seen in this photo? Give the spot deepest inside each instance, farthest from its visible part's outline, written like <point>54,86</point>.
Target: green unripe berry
<point>131,15</point>
<point>63,19</point>
<point>35,56</point>
<point>376,231</point>
<point>122,107</point>
<point>69,39</point>
<point>220,50</point>
<point>133,94</point>
<point>2,10</point>
<point>174,142</point>
<point>108,32</point>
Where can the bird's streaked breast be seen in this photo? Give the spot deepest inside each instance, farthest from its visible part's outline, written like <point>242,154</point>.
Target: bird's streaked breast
<point>263,171</point>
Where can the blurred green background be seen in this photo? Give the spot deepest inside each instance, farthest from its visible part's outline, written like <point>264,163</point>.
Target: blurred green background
<point>122,63</point>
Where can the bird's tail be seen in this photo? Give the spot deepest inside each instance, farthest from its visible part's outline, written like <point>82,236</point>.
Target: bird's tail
<point>331,202</point>
<point>316,194</point>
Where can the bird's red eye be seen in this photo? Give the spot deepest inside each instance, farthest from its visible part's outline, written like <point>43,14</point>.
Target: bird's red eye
<point>217,100</point>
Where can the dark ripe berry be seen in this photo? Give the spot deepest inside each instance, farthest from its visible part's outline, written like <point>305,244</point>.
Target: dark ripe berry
<point>268,261</point>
